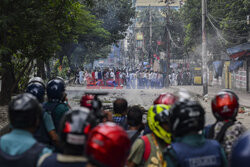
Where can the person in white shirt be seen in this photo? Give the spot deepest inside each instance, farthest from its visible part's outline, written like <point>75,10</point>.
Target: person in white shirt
<point>151,75</point>
<point>80,76</point>
<point>96,75</point>
<point>154,79</point>
<point>112,75</point>
<point>131,78</point>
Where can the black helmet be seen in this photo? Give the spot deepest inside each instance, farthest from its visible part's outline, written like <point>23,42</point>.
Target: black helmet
<point>55,89</point>
<point>36,89</point>
<point>186,116</point>
<point>75,126</point>
<point>24,111</point>
<point>37,79</point>
<point>57,77</point>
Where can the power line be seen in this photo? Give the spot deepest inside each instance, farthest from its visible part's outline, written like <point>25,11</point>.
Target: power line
<point>220,34</point>
<point>216,30</point>
<point>223,19</point>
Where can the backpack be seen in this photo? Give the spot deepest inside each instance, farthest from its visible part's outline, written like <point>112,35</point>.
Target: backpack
<point>147,148</point>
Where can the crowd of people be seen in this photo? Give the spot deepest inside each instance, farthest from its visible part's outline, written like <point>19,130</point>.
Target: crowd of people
<point>49,133</point>
<point>132,79</point>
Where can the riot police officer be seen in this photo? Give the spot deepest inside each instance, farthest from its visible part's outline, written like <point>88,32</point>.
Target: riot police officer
<point>19,148</point>
<point>45,133</point>
<point>56,104</point>
<point>227,129</point>
<point>189,147</point>
<point>74,129</point>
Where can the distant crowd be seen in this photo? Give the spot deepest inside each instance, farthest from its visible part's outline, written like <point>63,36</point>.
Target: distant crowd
<point>134,79</point>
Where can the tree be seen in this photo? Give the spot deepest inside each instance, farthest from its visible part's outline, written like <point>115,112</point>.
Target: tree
<point>112,19</point>
<point>226,24</point>
<point>31,30</point>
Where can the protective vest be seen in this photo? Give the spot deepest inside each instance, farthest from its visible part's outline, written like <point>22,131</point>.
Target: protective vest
<point>207,155</point>
<point>28,159</point>
<point>52,161</point>
<point>41,134</point>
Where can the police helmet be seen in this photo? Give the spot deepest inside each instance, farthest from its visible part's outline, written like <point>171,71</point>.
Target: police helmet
<point>186,116</point>
<point>74,129</point>
<point>36,89</point>
<point>37,79</point>
<point>55,89</point>
<point>24,111</point>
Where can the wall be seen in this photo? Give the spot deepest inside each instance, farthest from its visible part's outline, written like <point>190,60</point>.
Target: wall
<point>239,78</point>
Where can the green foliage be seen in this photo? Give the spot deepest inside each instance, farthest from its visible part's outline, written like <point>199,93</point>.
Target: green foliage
<point>229,17</point>
<point>106,23</point>
<point>225,24</point>
<point>115,16</point>
<point>191,17</point>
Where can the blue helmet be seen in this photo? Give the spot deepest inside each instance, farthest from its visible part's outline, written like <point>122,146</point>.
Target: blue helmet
<point>36,89</point>
<point>241,152</point>
<point>55,89</point>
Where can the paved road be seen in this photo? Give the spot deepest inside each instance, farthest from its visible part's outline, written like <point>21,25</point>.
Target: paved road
<point>145,98</point>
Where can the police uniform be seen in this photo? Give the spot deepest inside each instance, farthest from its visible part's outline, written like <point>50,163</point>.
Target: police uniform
<point>19,148</point>
<point>46,125</point>
<point>57,111</point>
<point>195,151</point>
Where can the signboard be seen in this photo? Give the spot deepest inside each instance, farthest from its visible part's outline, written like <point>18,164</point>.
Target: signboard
<point>139,36</point>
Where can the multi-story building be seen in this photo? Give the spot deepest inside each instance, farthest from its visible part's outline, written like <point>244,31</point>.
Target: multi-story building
<point>140,5</point>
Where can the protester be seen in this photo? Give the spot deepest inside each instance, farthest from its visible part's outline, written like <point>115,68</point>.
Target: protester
<point>75,126</point>
<point>96,75</point>
<point>81,77</point>
<point>120,107</point>
<point>148,150</point>
<point>189,147</point>
<point>226,130</point>
<point>19,148</point>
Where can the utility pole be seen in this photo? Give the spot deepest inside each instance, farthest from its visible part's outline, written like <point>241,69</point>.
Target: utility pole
<point>168,44</point>
<point>204,49</point>
<point>150,34</point>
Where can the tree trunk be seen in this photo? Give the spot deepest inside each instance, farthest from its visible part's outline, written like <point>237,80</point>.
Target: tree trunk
<point>41,69</point>
<point>7,79</point>
<point>48,70</point>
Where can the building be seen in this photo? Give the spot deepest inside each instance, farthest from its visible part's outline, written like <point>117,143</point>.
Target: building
<point>141,5</point>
